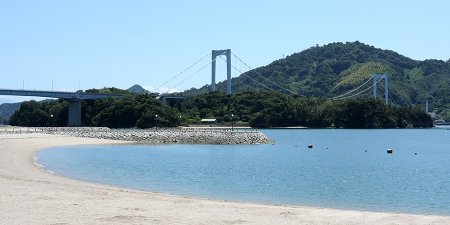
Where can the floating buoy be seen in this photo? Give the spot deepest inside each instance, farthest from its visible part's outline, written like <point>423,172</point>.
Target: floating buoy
<point>310,146</point>
<point>365,150</point>
<point>389,150</point>
<point>415,153</point>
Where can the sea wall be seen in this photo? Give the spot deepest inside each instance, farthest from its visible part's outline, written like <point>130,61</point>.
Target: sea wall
<point>153,136</point>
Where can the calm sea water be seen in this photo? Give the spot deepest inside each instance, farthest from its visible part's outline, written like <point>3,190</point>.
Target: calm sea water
<point>346,169</point>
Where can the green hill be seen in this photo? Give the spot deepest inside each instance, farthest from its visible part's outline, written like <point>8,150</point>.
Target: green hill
<point>333,69</point>
<point>6,110</point>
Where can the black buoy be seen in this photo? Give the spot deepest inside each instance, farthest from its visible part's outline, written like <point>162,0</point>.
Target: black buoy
<point>365,150</point>
<point>389,150</point>
<point>310,146</point>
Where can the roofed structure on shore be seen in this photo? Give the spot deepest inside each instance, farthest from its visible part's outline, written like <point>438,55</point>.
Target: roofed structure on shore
<point>208,121</point>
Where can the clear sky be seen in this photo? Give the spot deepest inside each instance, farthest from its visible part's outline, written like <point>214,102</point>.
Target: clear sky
<point>92,44</point>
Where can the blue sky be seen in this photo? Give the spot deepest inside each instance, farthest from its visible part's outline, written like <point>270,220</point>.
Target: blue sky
<point>92,44</point>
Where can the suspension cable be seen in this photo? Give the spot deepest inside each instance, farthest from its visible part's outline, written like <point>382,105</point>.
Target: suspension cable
<point>265,78</point>
<point>360,91</point>
<point>243,74</point>
<point>403,99</point>
<point>234,75</point>
<point>354,89</point>
<point>193,74</point>
<point>177,75</point>
<point>393,100</point>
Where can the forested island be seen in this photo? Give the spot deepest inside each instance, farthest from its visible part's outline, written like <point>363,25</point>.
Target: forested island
<point>255,108</point>
<point>333,69</point>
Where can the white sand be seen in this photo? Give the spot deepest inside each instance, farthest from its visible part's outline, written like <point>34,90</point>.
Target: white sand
<point>29,195</point>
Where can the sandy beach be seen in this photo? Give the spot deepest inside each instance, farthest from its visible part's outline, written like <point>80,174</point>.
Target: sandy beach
<point>30,195</point>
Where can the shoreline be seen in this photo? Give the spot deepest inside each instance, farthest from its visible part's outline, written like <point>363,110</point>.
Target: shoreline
<point>31,195</point>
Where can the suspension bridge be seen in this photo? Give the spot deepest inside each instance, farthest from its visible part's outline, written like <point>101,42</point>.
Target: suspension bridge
<point>258,79</point>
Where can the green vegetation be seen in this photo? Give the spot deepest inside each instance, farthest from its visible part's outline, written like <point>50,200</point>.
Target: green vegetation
<point>271,109</point>
<point>131,111</point>
<point>257,108</point>
<point>318,72</point>
<point>330,70</point>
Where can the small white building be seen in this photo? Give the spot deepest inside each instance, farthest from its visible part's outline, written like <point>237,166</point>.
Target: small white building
<point>208,121</point>
<point>433,115</point>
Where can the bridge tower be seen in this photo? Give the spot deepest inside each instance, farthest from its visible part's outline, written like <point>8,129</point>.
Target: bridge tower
<point>376,78</point>
<point>215,53</point>
<point>74,113</point>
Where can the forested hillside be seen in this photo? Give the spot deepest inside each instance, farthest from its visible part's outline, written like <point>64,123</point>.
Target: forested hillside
<point>331,70</point>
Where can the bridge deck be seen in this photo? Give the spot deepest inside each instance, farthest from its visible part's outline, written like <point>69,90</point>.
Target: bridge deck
<point>58,94</point>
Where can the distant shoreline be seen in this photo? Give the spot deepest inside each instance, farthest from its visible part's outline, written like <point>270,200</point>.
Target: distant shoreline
<point>294,127</point>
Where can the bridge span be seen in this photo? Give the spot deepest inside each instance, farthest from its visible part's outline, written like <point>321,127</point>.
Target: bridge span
<point>74,99</point>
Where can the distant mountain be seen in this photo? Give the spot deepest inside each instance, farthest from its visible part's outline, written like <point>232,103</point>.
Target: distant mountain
<point>333,69</point>
<point>137,89</point>
<point>5,100</point>
<point>6,111</point>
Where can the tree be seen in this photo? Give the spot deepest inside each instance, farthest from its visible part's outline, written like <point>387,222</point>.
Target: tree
<point>31,113</point>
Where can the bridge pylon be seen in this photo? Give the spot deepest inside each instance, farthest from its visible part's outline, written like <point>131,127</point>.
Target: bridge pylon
<point>215,53</point>
<point>376,78</point>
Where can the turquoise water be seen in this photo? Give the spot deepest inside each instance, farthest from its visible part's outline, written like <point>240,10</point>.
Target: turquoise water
<point>346,169</point>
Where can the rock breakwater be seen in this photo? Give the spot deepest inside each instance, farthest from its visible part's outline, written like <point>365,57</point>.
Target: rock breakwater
<point>153,136</point>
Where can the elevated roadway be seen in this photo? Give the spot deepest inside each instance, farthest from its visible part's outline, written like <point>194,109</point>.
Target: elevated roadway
<point>74,99</point>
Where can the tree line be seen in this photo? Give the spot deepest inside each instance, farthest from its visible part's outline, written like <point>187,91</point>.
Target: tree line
<point>255,108</point>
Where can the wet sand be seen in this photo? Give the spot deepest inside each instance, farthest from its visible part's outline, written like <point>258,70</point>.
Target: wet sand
<point>30,195</point>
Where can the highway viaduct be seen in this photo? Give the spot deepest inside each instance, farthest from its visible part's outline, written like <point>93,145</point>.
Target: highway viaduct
<point>74,99</point>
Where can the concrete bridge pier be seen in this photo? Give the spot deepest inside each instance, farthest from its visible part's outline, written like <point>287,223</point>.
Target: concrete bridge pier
<point>74,113</point>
